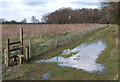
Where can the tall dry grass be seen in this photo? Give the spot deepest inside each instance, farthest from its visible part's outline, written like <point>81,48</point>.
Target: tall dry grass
<point>33,30</point>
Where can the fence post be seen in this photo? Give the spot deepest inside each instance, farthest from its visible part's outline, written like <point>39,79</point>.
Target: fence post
<point>56,40</point>
<point>27,53</point>
<point>70,38</point>
<point>7,54</point>
<point>20,58</point>
<point>29,48</point>
<point>21,39</point>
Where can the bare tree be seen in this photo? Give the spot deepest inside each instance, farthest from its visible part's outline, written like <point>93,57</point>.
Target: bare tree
<point>2,20</point>
<point>24,20</point>
<point>34,19</point>
<point>110,12</point>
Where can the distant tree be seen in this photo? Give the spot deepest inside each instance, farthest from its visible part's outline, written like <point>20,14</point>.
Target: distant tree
<point>13,22</point>
<point>110,12</point>
<point>46,19</point>
<point>24,20</point>
<point>34,20</point>
<point>2,20</point>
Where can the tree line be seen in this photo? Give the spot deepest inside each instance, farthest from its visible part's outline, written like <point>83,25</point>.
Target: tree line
<point>69,15</point>
<point>24,21</point>
<point>108,13</point>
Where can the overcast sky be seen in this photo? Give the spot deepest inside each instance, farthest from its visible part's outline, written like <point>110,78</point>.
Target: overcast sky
<point>20,9</point>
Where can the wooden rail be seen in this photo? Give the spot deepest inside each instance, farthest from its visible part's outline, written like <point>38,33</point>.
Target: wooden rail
<point>15,49</point>
<point>14,43</point>
<point>12,56</point>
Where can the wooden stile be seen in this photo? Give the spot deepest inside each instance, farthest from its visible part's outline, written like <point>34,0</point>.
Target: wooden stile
<point>12,52</point>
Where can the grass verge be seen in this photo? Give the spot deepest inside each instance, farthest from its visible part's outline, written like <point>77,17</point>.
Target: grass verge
<point>109,57</point>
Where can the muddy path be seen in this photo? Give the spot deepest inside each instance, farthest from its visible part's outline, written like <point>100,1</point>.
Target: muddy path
<point>89,58</point>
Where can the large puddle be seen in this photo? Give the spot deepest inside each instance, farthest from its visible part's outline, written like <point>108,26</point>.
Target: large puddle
<point>84,57</point>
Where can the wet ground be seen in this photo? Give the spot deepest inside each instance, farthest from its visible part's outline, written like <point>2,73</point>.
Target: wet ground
<point>42,77</point>
<point>45,76</point>
<point>85,57</point>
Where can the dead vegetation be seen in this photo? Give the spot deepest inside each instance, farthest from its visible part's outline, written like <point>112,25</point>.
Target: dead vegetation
<point>34,30</point>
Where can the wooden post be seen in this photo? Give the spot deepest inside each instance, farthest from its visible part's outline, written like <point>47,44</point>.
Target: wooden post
<point>29,48</point>
<point>14,59</point>
<point>21,59</point>
<point>5,57</point>
<point>7,54</point>
<point>21,39</point>
<point>27,53</point>
<point>57,58</point>
<point>56,42</point>
<point>70,38</point>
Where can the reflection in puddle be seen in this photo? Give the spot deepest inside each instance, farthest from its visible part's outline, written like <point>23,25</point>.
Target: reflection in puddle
<point>45,76</point>
<point>67,51</point>
<point>84,59</point>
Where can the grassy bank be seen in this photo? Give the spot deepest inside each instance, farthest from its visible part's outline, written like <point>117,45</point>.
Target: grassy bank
<point>109,57</point>
<point>48,42</point>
